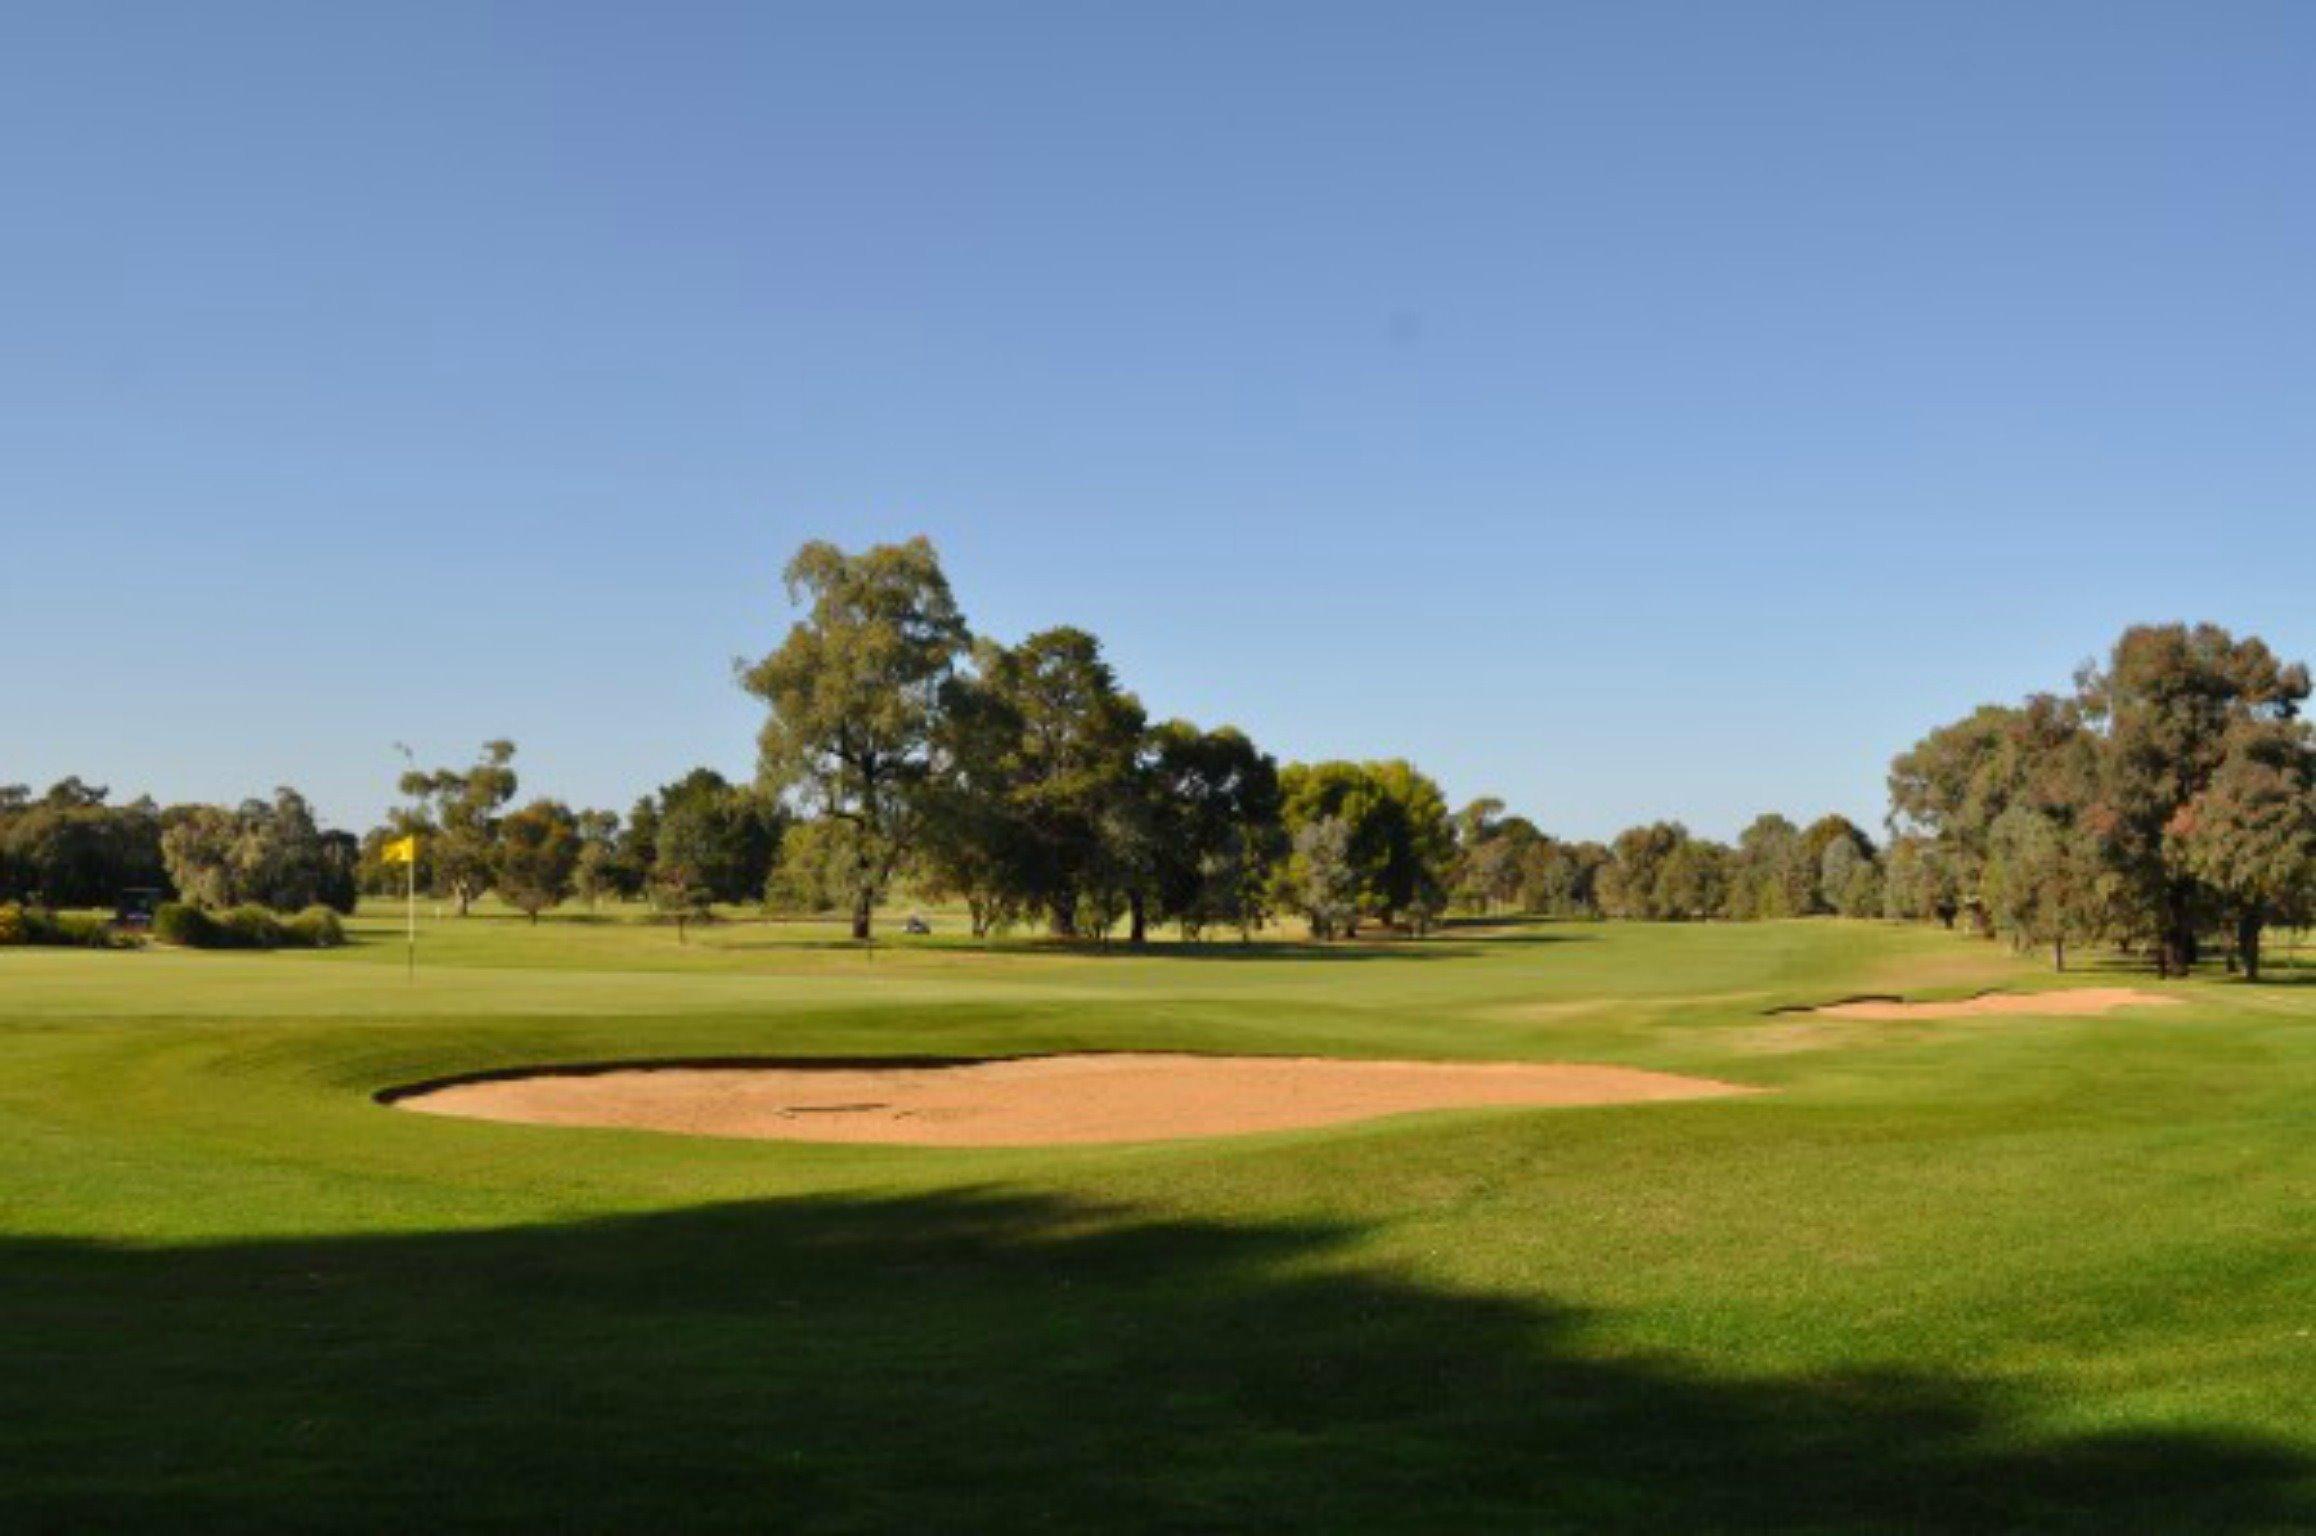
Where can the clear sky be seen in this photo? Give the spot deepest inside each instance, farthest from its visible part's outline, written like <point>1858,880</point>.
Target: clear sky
<point>1626,409</point>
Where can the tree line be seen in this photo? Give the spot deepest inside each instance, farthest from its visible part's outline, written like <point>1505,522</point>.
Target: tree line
<point>74,847</point>
<point>2168,798</point>
<point>2164,801</point>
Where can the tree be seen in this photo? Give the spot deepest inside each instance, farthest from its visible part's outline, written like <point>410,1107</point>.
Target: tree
<point>599,871</point>
<point>1562,879</point>
<point>1402,841</point>
<point>678,888</point>
<point>269,853</point>
<point>1631,884</point>
<point>1849,882</point>
<point>2250,835</point>
<point>1917,884</point>
<point>1773,874</point>
<point>814,872</point>
<point>732,830</point>
<point>1693,882</point>
<point>2173,705</point>
<point>1068,775</point>
<point>1492,854</point>
<point>538,849</point>
<point>1955,783</point>
<point>1214,814</point>
<point>69,848</point>
<point>199,850</point>
<point>1817,842</point>
<point>2042,880</point>
<point>1322,877</point>
<point>855,693</point>
<point>461,807</point>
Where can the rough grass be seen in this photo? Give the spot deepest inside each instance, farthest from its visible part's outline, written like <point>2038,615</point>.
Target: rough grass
<point>1986,1274</point>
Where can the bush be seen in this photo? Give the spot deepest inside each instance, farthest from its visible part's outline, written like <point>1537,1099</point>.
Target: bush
<point>180,922</point>
<point>250,926</point>
<point>317,927</point>
<point>247,927</point>
<point>34,925</point>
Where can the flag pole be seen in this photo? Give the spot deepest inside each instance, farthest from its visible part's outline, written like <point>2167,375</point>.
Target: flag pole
<point>410,928</point>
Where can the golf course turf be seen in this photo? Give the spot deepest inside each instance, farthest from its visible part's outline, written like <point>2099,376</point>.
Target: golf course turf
<point>2012,1271</point>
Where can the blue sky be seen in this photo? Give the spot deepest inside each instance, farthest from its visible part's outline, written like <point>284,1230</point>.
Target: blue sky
<point>1627,410</point>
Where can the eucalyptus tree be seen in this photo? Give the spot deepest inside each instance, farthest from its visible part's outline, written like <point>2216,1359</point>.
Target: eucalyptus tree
<point>459,811</point>
<point>2250,836</point>
<point>854,694</point>
<point>2174,706</point>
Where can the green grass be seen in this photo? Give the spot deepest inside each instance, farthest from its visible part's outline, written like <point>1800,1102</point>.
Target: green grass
<point>2004,1274</point>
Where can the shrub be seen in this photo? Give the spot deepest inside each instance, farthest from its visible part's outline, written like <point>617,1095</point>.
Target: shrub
<point>83,930</point>
<point>317,927</point>
<point>247,927</point>
<point>34,925</point>
<point>180,922</point>
<point>250,926</point>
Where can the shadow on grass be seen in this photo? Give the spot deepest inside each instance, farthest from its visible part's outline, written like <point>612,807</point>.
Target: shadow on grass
<point>970,1362</point>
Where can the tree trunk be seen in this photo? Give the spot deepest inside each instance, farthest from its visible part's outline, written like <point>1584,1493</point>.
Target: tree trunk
<point>862,903</point>
<point>2059,953</point>
<point>1061,919</point>
<point>1137,931</point>
<point>2248,945</point>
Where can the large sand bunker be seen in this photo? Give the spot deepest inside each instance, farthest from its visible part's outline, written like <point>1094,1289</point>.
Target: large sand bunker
<point>1029,1101</point>
<point>2074,1003</point>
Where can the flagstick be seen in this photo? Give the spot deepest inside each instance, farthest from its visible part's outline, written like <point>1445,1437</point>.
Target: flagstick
<point>410,948</point>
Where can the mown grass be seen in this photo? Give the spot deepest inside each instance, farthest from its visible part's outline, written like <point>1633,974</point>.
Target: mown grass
<point>2007,1273</point>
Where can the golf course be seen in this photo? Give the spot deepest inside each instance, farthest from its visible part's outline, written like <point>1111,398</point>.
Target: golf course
<point>2040,1268</point>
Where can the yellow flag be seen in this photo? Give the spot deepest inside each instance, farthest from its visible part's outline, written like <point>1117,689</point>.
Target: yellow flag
<point>403,850</point>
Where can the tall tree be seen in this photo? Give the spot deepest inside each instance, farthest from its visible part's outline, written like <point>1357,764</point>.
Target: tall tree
<point>2173,703</point>
<point>461,806</point>
<point>2250,835</point>
<point>1070,773</point>
<point>855,695</point>
<point>1214,810</point>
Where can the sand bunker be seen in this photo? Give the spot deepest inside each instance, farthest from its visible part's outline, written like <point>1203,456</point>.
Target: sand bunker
<point>2078,1002</point>
<point>1030,1101</point>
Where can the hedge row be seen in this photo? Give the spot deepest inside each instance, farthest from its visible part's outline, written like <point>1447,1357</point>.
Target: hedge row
<point>37,925</point>
<point>247,927</point>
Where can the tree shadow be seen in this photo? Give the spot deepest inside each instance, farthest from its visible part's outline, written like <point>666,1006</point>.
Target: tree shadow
<point>972,1361</point>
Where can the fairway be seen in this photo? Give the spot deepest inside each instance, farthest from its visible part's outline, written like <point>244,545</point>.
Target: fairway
<point>2006,1271</point>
